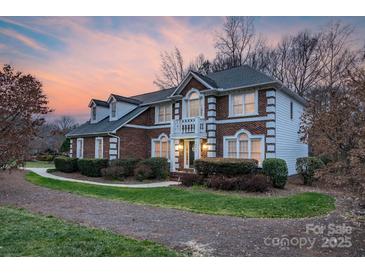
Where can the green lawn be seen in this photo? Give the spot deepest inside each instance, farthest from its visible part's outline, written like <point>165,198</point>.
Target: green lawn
<point>26,234</point>
<point>39,164</point>
<point>296,206</point>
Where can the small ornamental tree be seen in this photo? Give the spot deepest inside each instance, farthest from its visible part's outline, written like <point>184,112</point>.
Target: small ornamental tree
<point>22,105</point>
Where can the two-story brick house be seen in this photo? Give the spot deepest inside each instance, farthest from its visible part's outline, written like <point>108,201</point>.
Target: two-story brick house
<point>234,113</point>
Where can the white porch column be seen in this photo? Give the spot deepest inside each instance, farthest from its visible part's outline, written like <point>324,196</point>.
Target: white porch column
<point>212,127</point>
<point>172,155</point>
<point>197,149</point>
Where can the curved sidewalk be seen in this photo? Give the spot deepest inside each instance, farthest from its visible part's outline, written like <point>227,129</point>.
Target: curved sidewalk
<point>43,172</point>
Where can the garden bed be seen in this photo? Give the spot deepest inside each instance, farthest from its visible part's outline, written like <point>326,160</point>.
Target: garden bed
<point>79,176</point>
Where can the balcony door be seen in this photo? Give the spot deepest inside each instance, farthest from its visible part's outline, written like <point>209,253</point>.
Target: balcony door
<point>189,153</point>
<point>193,104</point>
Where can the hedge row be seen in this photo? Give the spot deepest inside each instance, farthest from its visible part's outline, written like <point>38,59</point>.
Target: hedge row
<point>224,166</point>
<point>66,164</point>
<point>247,182</point>
<point>153,168</point>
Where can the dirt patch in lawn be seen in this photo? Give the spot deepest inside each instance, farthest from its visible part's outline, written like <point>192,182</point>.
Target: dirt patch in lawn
<point>79,176</point>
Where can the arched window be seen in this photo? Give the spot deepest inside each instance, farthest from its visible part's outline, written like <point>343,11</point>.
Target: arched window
<point>243,145</point>
<point>194,104</point>
<point>161,147</point>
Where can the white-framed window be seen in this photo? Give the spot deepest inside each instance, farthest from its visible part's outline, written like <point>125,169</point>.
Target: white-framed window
<point>163,113</point>
<point>113,109</point>
<point>80,148</point>
<point>93,113</point>
<point>194,104</point>
<point>244,145</point>
<point>161,147</point>
<point>243,104</point>
<point>99,147</point>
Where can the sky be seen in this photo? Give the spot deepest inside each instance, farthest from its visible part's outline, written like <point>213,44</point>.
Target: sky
<point>79,58</point>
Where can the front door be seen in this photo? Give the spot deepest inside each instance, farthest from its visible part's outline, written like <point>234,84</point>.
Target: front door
<point>189,154</point>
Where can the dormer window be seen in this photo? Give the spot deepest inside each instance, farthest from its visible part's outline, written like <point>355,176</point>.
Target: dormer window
<point>93,113</point>
<point>194,104</point>
<point>163,113</point>
<point>113,106</point>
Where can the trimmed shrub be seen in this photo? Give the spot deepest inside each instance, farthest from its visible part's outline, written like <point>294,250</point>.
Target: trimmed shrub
<point>143,171</point>
<point>306,166</point>
<point>92,167</point>
<point>66,164</point>
<point>113,172</point>
<point>190,179</point>
<point>128,165</point>
<point>254,183</point>
<point>277,170</point>
<point>159,166</point>
<point>224,166</point>
<point>249,183</point>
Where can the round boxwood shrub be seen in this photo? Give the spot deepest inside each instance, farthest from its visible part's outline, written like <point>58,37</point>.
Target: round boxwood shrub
<point>128,165</point>
<point>306,166</point>
<point>66,164</point>
<point>92,167</point>
<point>113,172</point>
<point>143,171</point>
<point>277,170</point>
<point>224,166</point>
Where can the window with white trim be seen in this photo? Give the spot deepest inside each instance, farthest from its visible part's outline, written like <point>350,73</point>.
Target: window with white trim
<point>161,147</point>
<point>80,148</point>
<point>93,113</point>
<point>113,106</point>
<point>194,104</point>
<point>243,104</point>
<point>99,147</point>
<point>163,113</point>
<point>243,145</point>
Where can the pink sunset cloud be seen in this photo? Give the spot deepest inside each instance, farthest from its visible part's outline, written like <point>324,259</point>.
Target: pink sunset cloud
<point>97,63</point>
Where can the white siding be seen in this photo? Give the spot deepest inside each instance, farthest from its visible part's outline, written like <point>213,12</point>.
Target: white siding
<point>122,109</point>
<point>101,113</point>
<point>288,145</point>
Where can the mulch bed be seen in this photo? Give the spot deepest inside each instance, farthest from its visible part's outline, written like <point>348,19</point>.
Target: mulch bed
<point>79,176</point>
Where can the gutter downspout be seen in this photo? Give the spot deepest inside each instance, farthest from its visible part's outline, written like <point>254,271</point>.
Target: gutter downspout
<point>116,136</point>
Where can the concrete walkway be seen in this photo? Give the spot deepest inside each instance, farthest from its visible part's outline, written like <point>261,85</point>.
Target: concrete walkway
<point>43,172</point>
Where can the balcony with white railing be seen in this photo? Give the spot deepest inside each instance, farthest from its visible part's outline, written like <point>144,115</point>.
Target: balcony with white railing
<point>188,128</point>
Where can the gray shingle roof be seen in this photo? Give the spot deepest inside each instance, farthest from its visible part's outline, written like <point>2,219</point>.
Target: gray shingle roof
<point>242,76</point>
<point>238,77</point>
<point>126,99</point>
<point>154,96</point>
<point>100,103</point>
<point>105,126</point>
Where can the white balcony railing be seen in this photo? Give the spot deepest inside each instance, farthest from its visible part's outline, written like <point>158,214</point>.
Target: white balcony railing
<point>188,127</point>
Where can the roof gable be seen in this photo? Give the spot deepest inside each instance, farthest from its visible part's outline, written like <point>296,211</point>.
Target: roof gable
<point>120,98</point>
<point>99,103</point>
<point>191,74</point>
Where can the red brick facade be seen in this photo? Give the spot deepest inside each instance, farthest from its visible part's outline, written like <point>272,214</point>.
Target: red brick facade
<point>136,137</point>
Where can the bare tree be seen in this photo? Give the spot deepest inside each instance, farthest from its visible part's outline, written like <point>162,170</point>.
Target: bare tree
<point>64,124</point>
<point>201,65</point>
<point>172,69</point>
<point>339,60</point>
<point>235,41</point>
